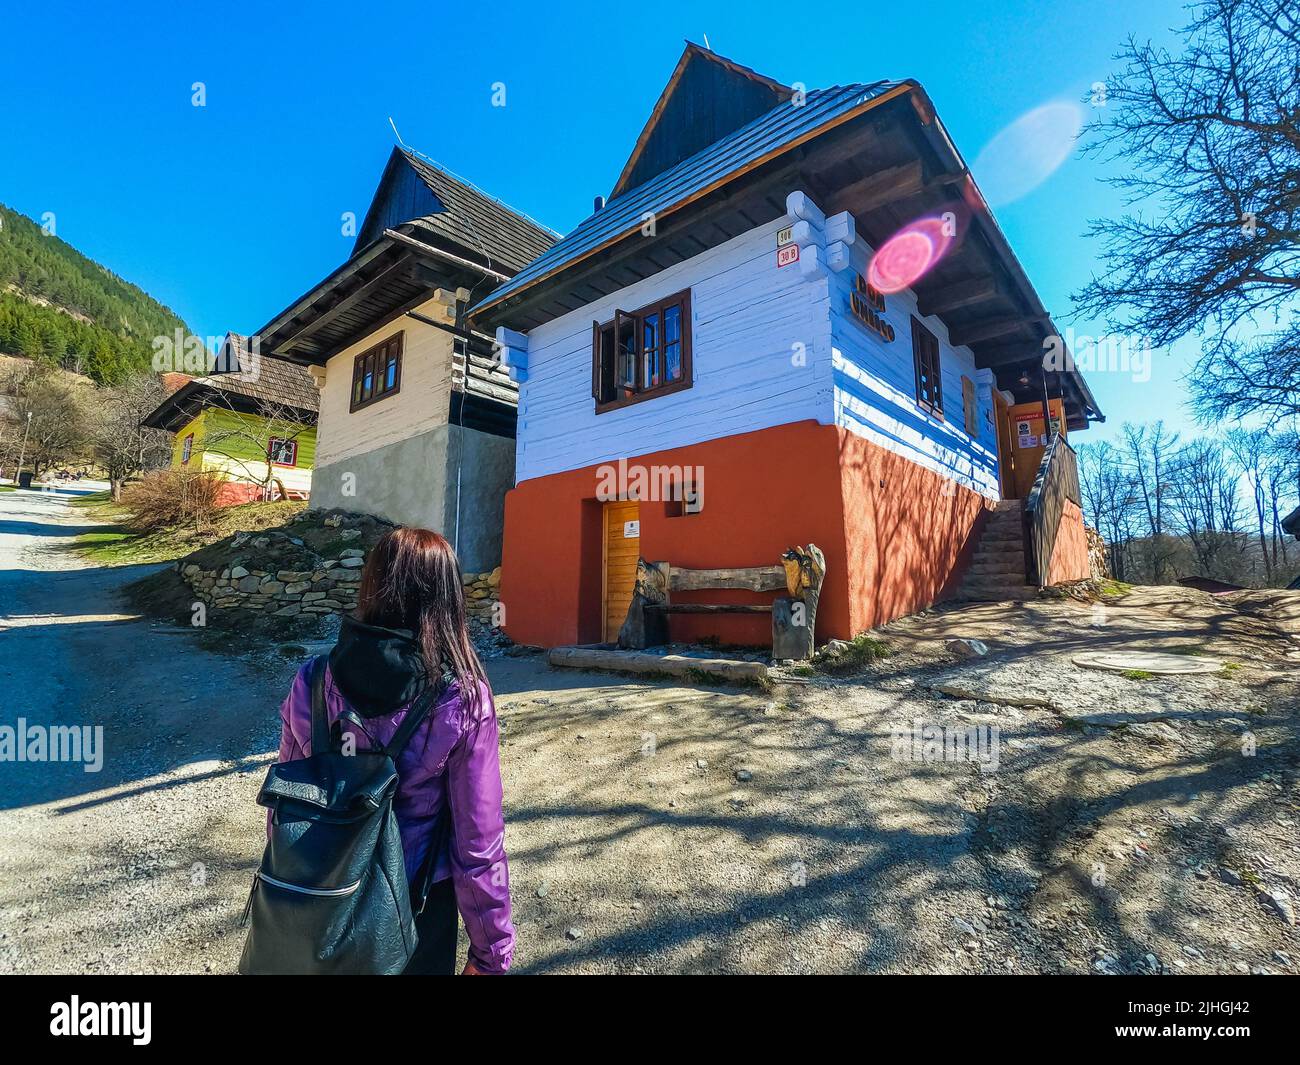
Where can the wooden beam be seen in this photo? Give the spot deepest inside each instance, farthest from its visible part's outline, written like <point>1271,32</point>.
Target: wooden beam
<point>975,332</point>
<point>341,304</point>
<point>1025,351</point>
<point>883,187</point>
<point>666,665</point>
<point>963,294</point>
<point>711,608</point>
<point>754,579</point>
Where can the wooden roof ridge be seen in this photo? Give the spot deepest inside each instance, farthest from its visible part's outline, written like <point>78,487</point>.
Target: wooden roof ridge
<point>691,51</point>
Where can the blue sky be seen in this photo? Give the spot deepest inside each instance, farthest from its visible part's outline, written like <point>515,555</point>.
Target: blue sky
<point>227,212</point>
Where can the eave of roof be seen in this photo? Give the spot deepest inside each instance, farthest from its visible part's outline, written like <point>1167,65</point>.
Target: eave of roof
<point>183,405</point>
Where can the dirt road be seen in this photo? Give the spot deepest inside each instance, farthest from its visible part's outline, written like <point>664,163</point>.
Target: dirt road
<point>659,828</point>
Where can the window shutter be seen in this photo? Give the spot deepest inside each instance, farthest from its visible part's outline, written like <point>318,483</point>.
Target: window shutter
<point>595,361</point>
<point>969,407</point>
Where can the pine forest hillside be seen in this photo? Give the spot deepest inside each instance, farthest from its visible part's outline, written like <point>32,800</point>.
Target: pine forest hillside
<point>59,307</point>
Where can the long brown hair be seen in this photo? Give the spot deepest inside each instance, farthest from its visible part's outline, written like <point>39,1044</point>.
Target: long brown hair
<point>412,581</point>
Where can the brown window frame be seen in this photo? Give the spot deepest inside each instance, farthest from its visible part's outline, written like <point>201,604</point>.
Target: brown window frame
<point>608,361</point>
<point>187,449</point>
<point>376,356</point>
<point>926,357</point>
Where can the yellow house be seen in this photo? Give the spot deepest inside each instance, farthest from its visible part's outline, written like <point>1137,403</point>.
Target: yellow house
<point>255,426</point>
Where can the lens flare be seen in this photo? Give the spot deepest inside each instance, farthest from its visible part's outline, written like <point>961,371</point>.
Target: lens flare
<point>910,254</point>
<point>1026,153</point>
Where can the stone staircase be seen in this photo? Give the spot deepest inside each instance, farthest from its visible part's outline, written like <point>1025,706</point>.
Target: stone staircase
<point>998,570</point>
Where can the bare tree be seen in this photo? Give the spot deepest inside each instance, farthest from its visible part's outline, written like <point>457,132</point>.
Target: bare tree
<point>1248,448</point>
<point>1108,501</point>
<point>57,413</point>
<point>1148,455</point>
<point>1210,139</point>
<point>1207,509</point>
<point>122,445</point>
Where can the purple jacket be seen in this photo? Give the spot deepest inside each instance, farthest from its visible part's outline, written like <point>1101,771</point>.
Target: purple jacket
<point>446,755</point>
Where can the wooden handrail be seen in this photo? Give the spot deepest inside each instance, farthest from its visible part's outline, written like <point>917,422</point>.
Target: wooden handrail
<point>1057,480</point>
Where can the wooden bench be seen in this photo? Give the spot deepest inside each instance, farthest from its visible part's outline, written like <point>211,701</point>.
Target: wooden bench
<point>794,616</point>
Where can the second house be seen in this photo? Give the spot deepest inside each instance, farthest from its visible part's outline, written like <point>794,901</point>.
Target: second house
<point>417,421</point>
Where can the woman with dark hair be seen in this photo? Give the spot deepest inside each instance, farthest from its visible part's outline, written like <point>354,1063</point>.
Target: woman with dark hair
<point>409,633</point>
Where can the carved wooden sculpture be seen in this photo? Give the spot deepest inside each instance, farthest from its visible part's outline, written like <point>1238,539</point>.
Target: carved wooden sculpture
<point>646,628</point>
<point>794,618</point>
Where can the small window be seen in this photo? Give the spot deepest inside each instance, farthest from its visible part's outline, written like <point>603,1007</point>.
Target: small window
<point>684,497</point>
<point>187,449</point>
<point>970,408</point>
<point>925,354</point>
<point>283,452</point>
<point>377,372</point>
<point>642,354</point>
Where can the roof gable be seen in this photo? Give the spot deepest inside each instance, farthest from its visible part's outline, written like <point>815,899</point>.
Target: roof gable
<point>400,197</point>
<point>415,191</point>
<point>706,98</point>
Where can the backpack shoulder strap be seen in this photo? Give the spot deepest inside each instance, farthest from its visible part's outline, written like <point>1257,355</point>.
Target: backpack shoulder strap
<point>320,724</point>
<point>418,712</point>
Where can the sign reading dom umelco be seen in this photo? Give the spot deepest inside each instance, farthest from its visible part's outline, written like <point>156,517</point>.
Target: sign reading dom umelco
<point>868,305</point>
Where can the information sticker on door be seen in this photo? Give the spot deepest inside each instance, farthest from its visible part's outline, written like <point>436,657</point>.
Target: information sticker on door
<point>631,530</point>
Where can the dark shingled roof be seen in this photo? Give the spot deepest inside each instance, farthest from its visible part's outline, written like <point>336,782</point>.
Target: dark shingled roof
<point>475,220</point>
<point>424,229</point>
<point>624,216</point>
<point>260,379</point>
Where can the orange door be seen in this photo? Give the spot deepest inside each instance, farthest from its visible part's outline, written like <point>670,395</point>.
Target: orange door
<point>622,548</point>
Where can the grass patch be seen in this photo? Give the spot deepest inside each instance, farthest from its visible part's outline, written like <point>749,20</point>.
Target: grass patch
<point>116,544</point>
<point>8,488</point>
<point>804,671</point>
<point>91,500</point>
<point>1113,589</point>
<point>1137,674</point>
<point>708,678</point>
<point>860,651</point>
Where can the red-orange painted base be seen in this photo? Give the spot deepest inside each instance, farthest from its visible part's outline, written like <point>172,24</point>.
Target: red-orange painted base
<point>896,537</point>
<point>233,493</point>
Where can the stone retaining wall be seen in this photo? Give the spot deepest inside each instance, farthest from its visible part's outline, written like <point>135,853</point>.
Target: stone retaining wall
<point>330,589</point>
<point>327,586</point>
<point>482,594</point>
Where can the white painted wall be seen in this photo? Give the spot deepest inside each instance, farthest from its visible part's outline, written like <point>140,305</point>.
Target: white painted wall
<point>875,389</point>
<point>423,403</point>
<point>747,317</point>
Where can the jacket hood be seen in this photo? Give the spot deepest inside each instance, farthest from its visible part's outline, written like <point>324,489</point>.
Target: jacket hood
<point>378,670</point>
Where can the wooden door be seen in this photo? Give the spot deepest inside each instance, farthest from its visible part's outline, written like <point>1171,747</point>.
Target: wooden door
<point>1006,454</point>
<point>622,548</point>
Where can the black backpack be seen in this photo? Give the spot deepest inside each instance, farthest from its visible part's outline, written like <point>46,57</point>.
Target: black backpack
<point>331,895</point>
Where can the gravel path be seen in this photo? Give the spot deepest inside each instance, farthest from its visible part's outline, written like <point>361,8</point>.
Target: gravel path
<point>136,867</point>
<point>658,828</point>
